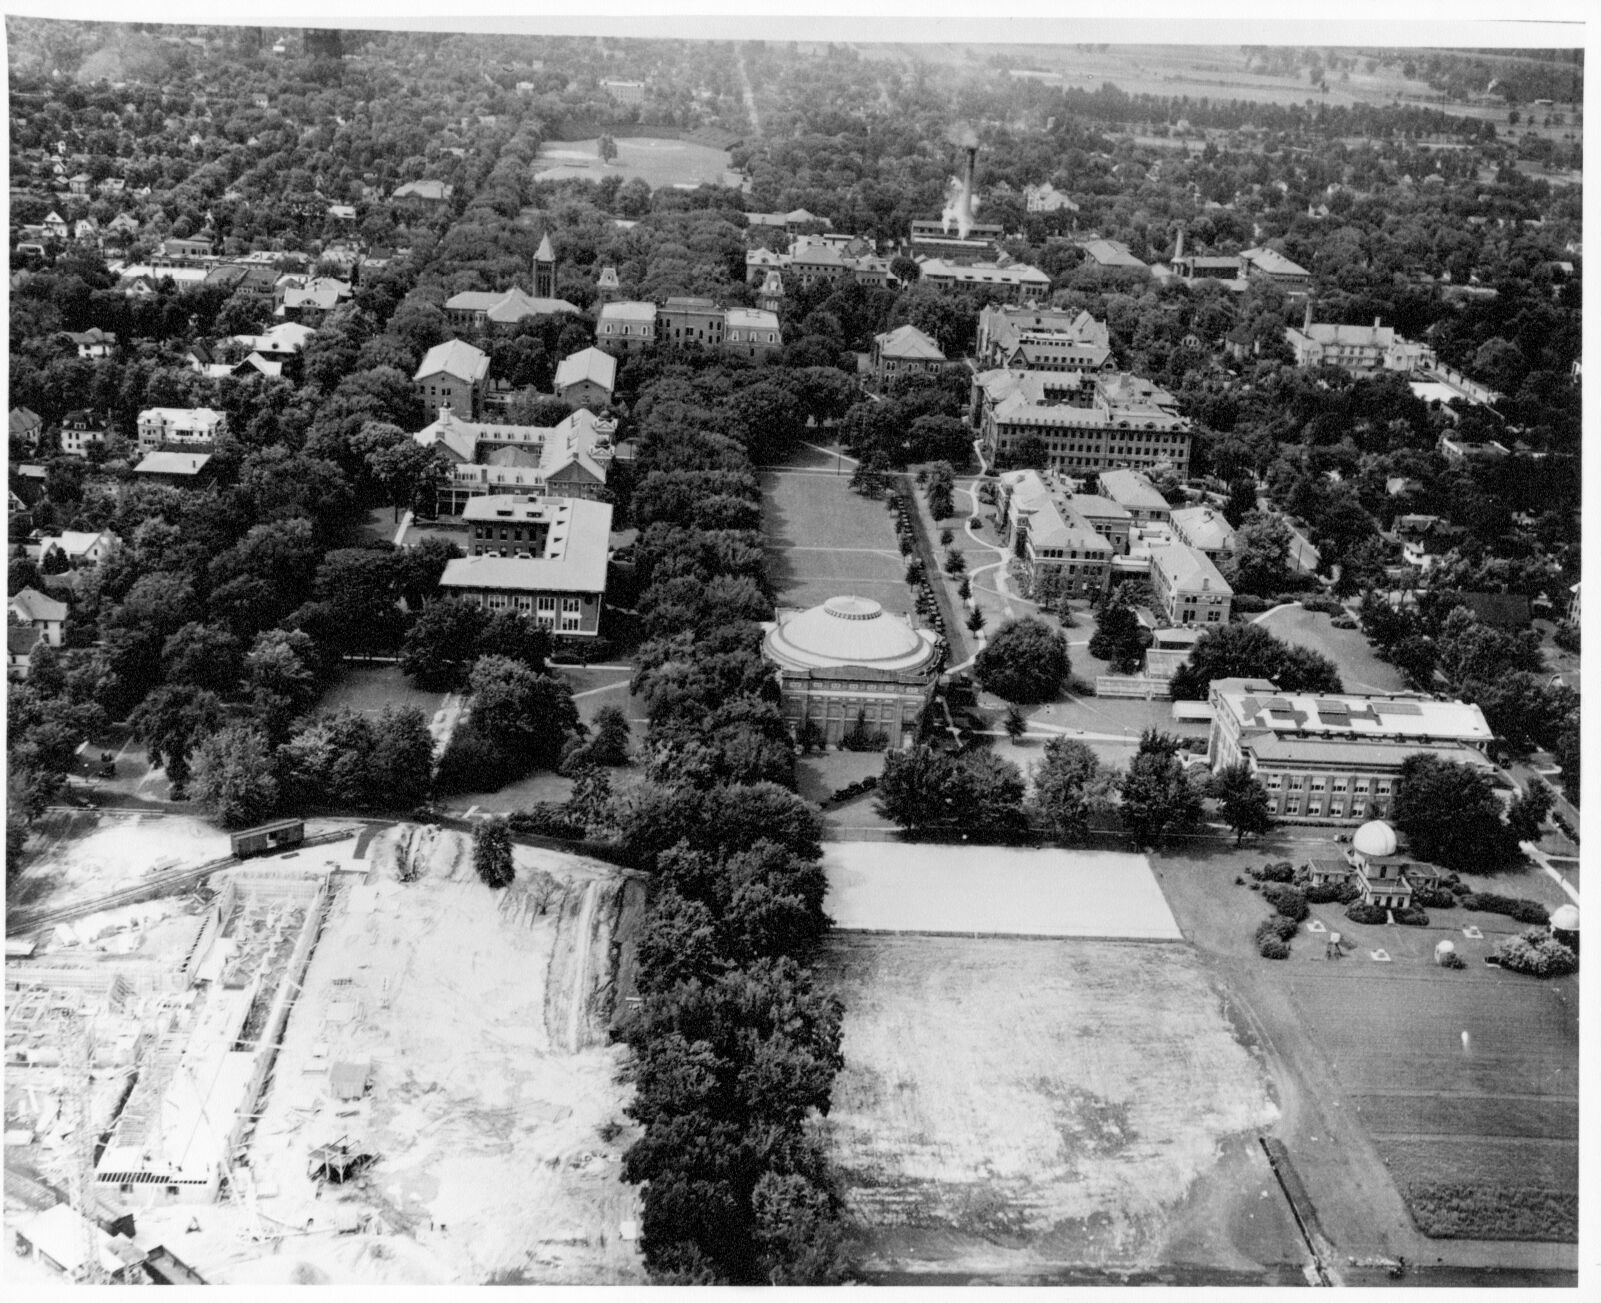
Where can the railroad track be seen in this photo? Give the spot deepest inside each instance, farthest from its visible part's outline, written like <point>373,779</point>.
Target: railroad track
<point>169,883</point>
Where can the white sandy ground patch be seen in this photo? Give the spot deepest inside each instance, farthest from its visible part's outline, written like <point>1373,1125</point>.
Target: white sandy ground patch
<point>1043,1101</point>
<point>86,854</point>
<point>1008,891</point>
<point>485,1117</point>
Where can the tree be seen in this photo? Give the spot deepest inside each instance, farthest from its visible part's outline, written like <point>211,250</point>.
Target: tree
<point>1119,638</point>
<point>441,643</point>
<point>1015,725</point>
<point>1242,801</point>
<point>949,796</point>
<point>1248,651</point>
<point>975,620</point>
<point>1156,792</point>
<point>402,762</point>
<point>171,722</point>
<point>1241,501</point>
<point>1450,815</point>
<point>1026,662</point>
<point>609,743</point>
<point>1529,809</point>
<point>233,776</point>
<point>492,853</point>
<point>202,655</point>
<point>1071,787</point>
<point>1260,563</point>
<point>280,678</point>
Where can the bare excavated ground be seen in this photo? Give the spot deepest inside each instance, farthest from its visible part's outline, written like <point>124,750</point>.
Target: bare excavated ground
<point>1051,1111</point>
<point>483,1015</point>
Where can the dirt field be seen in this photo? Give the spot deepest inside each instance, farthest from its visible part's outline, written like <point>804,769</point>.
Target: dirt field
<point>824,540</point>
<point>1014,1109</point>
<point>659,162</point>
<point>994,890</point>
<point>74,855</point>
<point>484,1021</point>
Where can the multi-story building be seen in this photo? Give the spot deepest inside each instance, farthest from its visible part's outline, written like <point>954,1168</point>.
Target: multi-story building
<point>180,427</point>
<point>1045,531</point>
<point>626,327</point>
<point>906,350</point>
<point>935,237</point>
<point>1187,588</point>
<point>1127,421</point>
<point>481,312</point>
<point>1336,758</point>
<point>690,321</point>
<point>1109,519</point>
<point>588,378</point>
<point>544,558</point>
<point>570,459</point>
<point>1204,529</point>
<point>180,470</point>
<point>1361,349</point>
<point>1024,283</point>
<point>1136,494</point>
<point>752,332</point>
<point>452,374</point>
<point>1268,264</point>
<point>1023,337</point>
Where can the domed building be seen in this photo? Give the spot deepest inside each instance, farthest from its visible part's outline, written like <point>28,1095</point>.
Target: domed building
<point>849,662</point>
<point>1374,839</point>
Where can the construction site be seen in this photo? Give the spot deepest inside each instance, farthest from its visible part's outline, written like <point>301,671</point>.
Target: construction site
<point>348,1063</point>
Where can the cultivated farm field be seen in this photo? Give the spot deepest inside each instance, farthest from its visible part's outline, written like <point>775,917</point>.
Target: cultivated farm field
<point>1477,1120</point>
<point>1020,1107</point>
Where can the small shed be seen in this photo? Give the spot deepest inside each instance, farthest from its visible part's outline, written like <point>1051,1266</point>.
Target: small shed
<point>348,1079</point>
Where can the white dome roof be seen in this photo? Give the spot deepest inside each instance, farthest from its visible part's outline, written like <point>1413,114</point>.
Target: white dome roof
<point>1566,918</point>
<point>1374,838</point>
<point>848,631</point>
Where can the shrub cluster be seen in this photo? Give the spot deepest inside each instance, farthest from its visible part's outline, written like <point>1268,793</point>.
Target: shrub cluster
<point>546,819</point>
<point>1519,908</point>
<point>1273,936</point>
<point>1357,912</point>
<point>1452,960</point>
<point>1537,953</point>
<point>1331,893</point>
<point>1279,871</point>
<point>1289,901</point>
<point>1413,917</point>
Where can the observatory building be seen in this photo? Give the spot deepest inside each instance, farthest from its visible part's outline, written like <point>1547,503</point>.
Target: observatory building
<point>850,662</point>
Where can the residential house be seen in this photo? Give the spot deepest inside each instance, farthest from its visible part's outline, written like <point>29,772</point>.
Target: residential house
<point>186,427</point>
<point>182,470</point>
<point>1046,198</point>
<point>55,225</point>
<point>485,312</point>
<point>27,427</point>
<point>452,374</point>
<point>1187,587</point>
<point>1204,529</point>
<point>187,248</point>
<point>752,332</point>
<point>544,558</point>
<point>280,343</point>
<point>626,327</point>
<point>1045,531</point>
<point>1337,758</point>
<point>94,342</point>
<point>1363,350</point>
<point>1425,540</point>
<point>905,350</point>
<point>310,301</point>
<point>80,429</point>
<point>587,378</point>
<point>21,639</point>
<point>38,611</point>
<point>86,231</point>
<point>81,549</point>
<point>426,193</point>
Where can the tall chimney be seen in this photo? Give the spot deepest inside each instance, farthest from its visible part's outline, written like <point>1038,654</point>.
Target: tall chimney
<point>1179,252</point>
<point>972,167</point>
<point>1306,324</point>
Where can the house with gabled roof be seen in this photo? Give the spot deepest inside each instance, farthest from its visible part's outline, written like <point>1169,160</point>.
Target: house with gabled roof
<point>38,611</point>
<point>906,350</point>
<point>587,378</point>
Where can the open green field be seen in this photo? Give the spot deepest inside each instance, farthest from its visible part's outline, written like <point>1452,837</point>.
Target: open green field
<point>1010,1107</point>
<point>367,689</point>
<point>823,540</point>
<point>659,162</point>
<point>1360,668</point>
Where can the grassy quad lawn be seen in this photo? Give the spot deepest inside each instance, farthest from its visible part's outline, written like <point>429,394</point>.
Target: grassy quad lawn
<point>659,161</point>
<point>824,541</point>
<point>367,689</point>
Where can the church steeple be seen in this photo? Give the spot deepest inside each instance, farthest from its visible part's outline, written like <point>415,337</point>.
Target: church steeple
<point>545,269</point>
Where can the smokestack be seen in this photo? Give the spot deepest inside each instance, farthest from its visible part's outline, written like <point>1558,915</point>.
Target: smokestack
<point>1307,323</point>
<point>1179,252</point>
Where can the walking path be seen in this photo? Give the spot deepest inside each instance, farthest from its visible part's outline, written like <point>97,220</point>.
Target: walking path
<point>1544,861</point>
